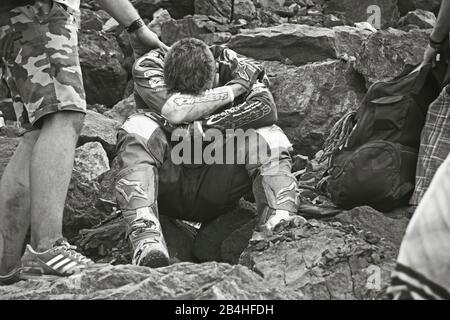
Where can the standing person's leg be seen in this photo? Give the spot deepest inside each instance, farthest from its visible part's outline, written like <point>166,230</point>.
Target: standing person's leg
<point>15,203</point>
<point>50,172</point>
<point>434,144</point>
<point>47,74</point>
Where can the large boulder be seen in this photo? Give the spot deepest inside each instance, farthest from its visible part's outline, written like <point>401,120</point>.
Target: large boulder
<point>186,281</point>
<point>176,8</point>
<point>311,98</point>
<point>101,62</point>
<point>330,259</point>
<point>386,53</point>
<point>420,18</point>
<point>290,43</point>
<point>100,128</point>
<point>208,29</point>
<point>122,110</point>
<point>298,44</point>
<point>91,161</point>
<point>93,20</point>
<point>411,5</point>
<point>366,10</point>
<point>220,8</point>
<point>244,9</point>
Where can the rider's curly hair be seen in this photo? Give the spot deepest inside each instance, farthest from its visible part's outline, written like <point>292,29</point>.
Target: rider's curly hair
<point>189,67</point>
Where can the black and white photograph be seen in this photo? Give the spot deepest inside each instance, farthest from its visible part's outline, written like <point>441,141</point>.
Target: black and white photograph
<point>222,157</point>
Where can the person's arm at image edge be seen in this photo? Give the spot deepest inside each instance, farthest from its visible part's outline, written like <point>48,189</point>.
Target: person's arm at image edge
<point>439,34</point>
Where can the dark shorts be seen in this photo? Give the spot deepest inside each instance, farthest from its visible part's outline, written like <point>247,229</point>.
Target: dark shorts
<point>42,70</point>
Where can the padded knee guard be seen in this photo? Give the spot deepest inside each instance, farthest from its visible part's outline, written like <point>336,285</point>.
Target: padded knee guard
<point>137,188</point>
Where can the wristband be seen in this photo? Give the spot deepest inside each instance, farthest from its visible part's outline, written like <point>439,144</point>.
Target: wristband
<point>437,45</point>
<point>135,25</point>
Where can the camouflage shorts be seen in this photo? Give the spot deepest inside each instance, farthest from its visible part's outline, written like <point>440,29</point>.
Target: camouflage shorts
<point>42,69</point>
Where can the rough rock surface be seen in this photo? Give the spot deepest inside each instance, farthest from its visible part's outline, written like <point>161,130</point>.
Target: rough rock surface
<point>420,18</point>
<point>298,44</point>
<point>99,128</point>
<point>411,5</point>
<point>311,98</point>
<point>221,8</point>
<point>385,54</point>
<point>244,9</point>
<point>91,161</point>
<point>329,260</point>
<point>93,20</point>
<point>101,62</point>
<point>363,10</point>
<point>202,27</point>
<point>122,110</point>
<point>176,8</point>
<point>208,281</point>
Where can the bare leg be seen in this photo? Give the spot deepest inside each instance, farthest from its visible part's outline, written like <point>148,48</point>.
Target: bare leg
<point>15,203</point>
<point>50,173</point>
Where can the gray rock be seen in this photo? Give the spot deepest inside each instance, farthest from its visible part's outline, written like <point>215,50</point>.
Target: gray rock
<point>244,9</point>
<point>101,62</point>
<point>311,98</point>
<point>421,18</point>
<point>386,53</point>
<point>290,43</point>
<point>99,128</point>
<point>122,110</point>
<point>208,281</point>
<point>328,260</point>
<point>410,5</point>
<point>91,161</point>
<point>370,220</point>
<point>359,10</point>
<point>298,44</point>
<point>201,27</point>
<point>93,20</point>
<point>221,8</point>
<point>159,18</point>
<point>176,8</point>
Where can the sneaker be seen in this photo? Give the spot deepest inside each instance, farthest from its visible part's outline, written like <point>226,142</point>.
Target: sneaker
<point>147,240</point>
<point>11,277</point>
<point>60,261</point>
<point>271,219</point>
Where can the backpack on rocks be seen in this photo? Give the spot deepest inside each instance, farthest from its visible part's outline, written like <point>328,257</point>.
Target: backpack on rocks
<point>377,164</point>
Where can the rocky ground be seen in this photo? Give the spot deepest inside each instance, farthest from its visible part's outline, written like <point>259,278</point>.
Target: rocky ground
<point>320,56</point>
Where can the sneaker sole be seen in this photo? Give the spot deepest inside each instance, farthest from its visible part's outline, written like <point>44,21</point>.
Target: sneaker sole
<point>155,259</point>
<point>11,278</point>
<point>30,276</point>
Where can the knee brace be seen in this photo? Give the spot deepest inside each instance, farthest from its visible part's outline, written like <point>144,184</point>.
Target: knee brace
<point>136,188</point>
<point>276,192</point>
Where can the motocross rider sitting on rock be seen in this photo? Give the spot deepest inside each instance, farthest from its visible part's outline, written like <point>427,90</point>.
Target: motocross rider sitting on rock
<point>193,93</point>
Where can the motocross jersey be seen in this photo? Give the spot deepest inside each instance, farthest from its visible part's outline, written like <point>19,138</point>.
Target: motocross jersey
<point>254,110</point>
